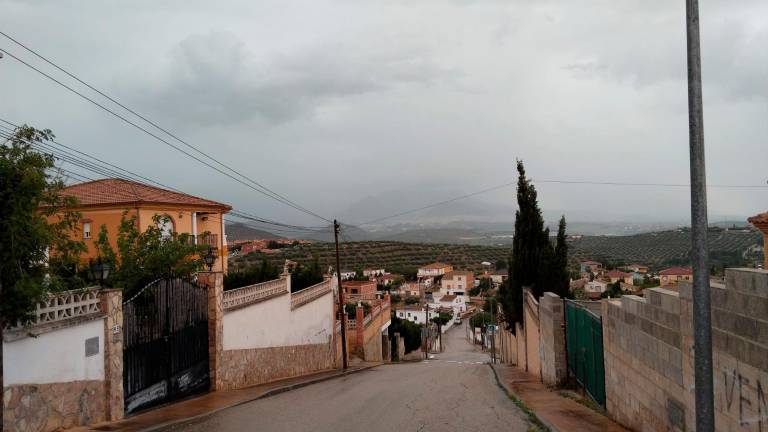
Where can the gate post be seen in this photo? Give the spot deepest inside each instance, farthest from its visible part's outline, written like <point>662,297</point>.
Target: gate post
<point>112,307</point>
<point>214,282</point>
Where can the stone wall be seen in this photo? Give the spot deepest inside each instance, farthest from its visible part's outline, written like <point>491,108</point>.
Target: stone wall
<point>55,406</point>
<point>649,356</point>
<point>249,367</point>
<point>554,367</point>
<point>71,372</point>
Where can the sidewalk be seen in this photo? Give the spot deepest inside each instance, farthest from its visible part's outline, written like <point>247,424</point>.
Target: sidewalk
<point>557,412</point>
<point>212,402</point>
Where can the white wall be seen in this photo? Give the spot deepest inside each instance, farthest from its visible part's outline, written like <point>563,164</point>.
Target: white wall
<point>55,357</point>
<point>272,323</point>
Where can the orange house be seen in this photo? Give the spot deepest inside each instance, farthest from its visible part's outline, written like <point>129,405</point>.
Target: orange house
<point>102,202</point>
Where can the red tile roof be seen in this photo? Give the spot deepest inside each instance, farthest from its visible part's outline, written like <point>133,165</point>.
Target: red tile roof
<point>110,192</point>
<point>448,298</point>
<point>467,273</point>
<point>762,218</point>
<point>617,274</point>
<point>590,262</point>
<point>676,271</point>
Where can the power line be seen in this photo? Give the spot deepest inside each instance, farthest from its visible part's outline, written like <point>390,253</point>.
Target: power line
<point>574,182</point>
<point>258,187</point>
<point>75,160</point>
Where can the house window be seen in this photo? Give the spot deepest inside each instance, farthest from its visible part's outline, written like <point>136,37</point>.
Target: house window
<point>354,290</point>
<point>86,230</point>
<point>409,314</point>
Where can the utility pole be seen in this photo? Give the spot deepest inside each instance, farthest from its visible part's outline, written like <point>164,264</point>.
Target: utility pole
<point>702,324</point>
<point>426,328</point>
<point>336,228</point>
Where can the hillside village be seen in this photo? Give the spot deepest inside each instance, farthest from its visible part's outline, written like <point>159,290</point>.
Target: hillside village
<point>383,216</point>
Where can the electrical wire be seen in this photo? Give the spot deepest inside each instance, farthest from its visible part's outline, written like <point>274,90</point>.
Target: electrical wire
<point>106,171</point>
<point>258,187</point>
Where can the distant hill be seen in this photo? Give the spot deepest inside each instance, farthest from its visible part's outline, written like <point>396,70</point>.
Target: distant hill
<point>729,248</point>
<point>439,235</point>
<point>238,231</point>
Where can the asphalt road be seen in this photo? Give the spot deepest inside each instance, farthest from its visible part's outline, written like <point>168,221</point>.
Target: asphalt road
<point>455,391</point>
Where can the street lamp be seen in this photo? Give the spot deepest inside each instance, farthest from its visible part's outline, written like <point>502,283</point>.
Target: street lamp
<point>209,259</point>
<point>100,270</point>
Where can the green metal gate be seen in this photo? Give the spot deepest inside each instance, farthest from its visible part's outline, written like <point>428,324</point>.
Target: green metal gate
<point>584,334</point>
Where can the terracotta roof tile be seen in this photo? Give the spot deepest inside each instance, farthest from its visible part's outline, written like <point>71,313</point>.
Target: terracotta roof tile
<point>675,271</point>
<point>761,218</point>
<point>113,191</point>
<point>436,265</point>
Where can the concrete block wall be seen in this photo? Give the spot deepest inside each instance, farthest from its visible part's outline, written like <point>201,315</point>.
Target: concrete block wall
<point>649,356</point>
<point>554,367</point>
<point>643,361</point>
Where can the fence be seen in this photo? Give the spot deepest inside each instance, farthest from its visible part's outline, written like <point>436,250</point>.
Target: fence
<point>250,294</point>
<point>300,298</point>
<point>63,306</point>
<point>584,333</point>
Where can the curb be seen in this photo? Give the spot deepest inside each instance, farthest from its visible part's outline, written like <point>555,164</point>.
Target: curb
<point>515,397</point>
<point>268,393</point>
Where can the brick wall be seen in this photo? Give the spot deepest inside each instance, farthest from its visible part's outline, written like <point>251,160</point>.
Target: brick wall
<point>552,339</point>
<point>649,356</point>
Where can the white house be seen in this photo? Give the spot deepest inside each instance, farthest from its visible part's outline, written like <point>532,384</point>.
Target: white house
<point>594,289</point>
<point>347,274</point>
<point>416,313</point>
<point>373,272</point>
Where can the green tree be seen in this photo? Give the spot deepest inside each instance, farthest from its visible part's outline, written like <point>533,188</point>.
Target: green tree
<point>305,276</point>
<point>144,256</point>
<point>559,280</point>
<point>254,274</point>
<point>409,300</point>
<point>481,320</point>
<point>34,224</point>
<point>442,319</point>
<point>529,246</point>
<point>409,331</point>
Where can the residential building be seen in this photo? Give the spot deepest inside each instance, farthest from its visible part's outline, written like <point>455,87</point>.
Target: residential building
<point>457,282</point>
<point>434,270</point>
<point>499,276</point>
<point>637,268</point>
<point>386,279</point>
<point>761,222</point>
<point>457,303</point>
<point>359,290</point>
<point>372,272</point>
<point>103,203</point>
<point>417,313</point>
<point>673,275</point>
<point>590,267</point>
<point>617,275</point>
<point>347,275</point>
<point>594,289</point>
<point>413,289</point>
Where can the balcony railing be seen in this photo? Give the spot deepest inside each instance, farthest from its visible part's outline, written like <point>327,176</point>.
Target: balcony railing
<point>211,240</point>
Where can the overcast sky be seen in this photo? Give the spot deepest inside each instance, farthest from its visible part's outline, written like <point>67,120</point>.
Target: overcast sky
<point>330,103</point>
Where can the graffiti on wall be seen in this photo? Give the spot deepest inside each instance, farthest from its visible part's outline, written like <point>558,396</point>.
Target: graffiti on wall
<point>747,398</point>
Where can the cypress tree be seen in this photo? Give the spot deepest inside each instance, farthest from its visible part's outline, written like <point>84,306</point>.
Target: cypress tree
<point>535,262</point>
<point>560,268</point>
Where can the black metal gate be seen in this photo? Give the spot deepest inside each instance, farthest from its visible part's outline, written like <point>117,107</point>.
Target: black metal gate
<point>165,331</point>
